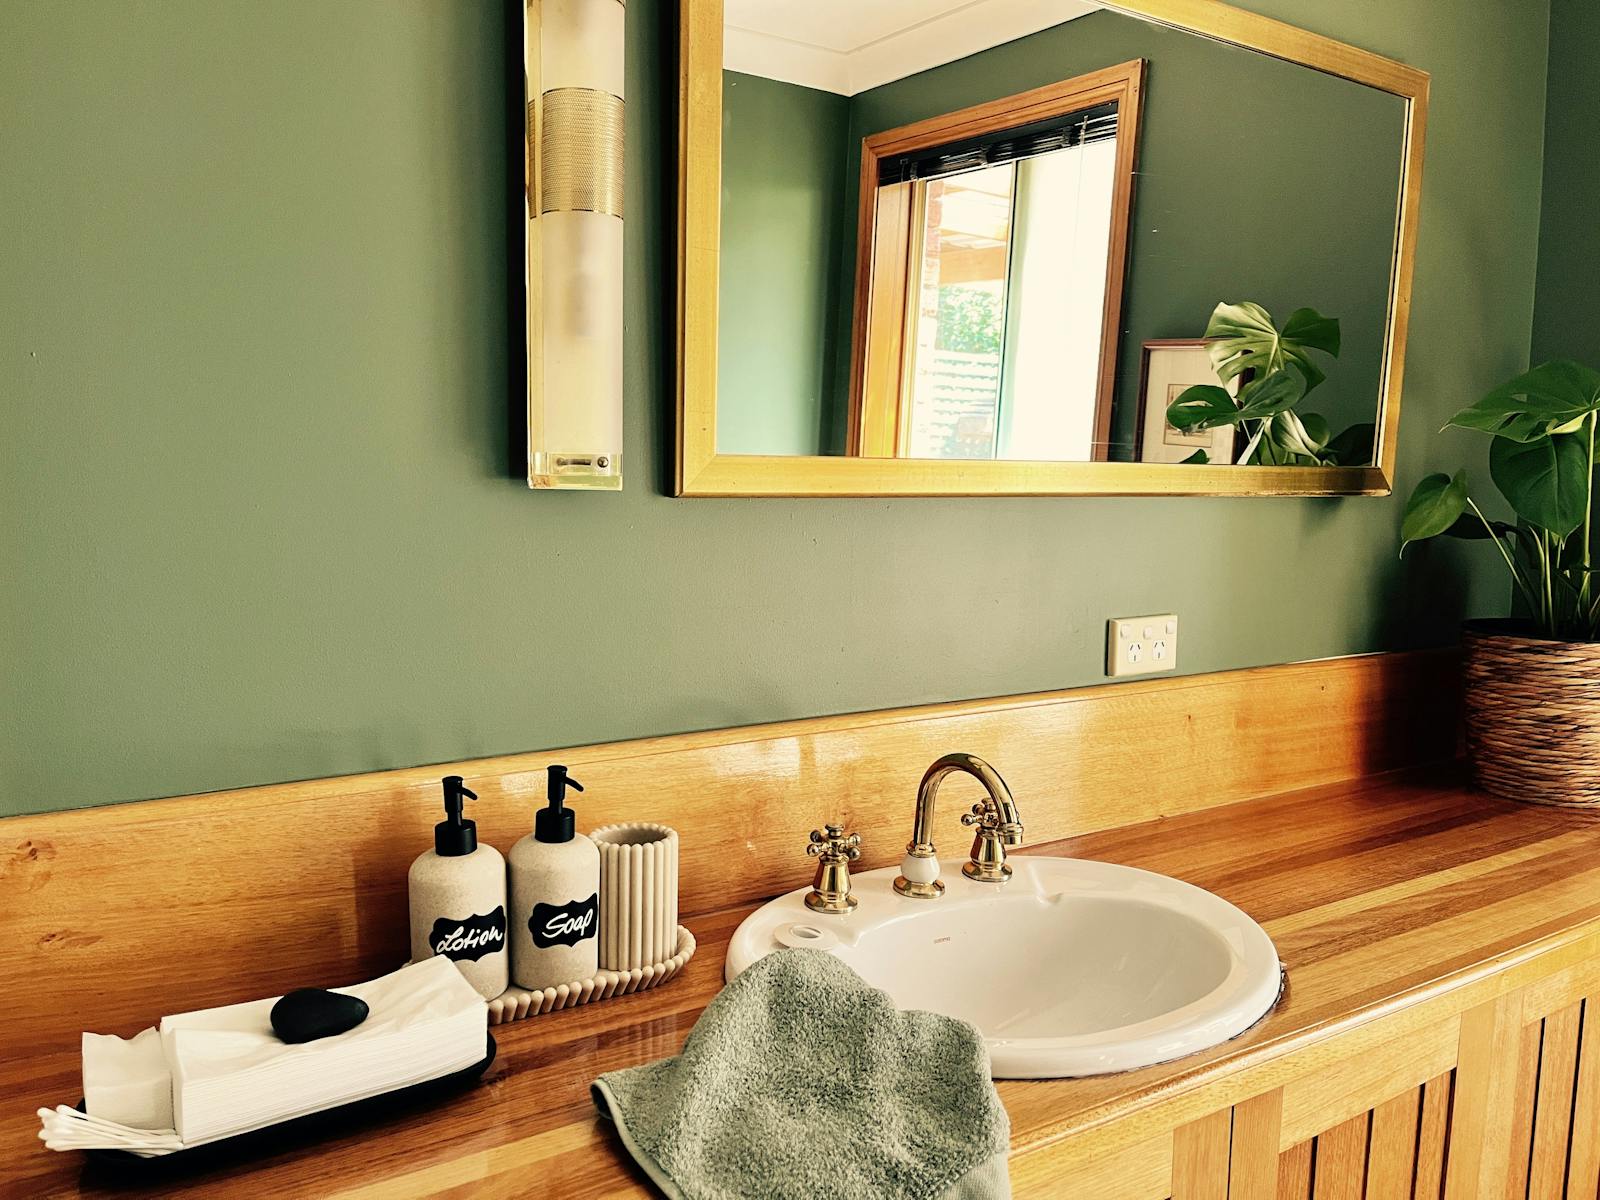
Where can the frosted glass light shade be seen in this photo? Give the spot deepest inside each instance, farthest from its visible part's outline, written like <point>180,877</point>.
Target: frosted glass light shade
<point>573,52</point>
<point>581,44</point>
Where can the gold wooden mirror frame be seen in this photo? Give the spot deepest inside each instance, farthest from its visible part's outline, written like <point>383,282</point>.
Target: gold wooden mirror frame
<point>701,471</point>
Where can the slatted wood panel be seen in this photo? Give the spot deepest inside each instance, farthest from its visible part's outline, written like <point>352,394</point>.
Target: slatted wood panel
<point>1392,1147</point>
<point>1200,1153</point>
<point>1518,1123</point>
<point>1317,1101</point>
<point>1583,1166</point>
<point>1433,1131</point>
<point>1253,1157</point>
<point>1489,1085</point>
<point>1393,1151</point>
<point>1554,1127</point>
<point>1340,1172</point>
<point>1537,1136</point>
<point>1295,1168</point>
<point>1552,1130</point>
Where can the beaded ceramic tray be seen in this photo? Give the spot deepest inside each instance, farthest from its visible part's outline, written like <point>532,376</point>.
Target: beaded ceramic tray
<point>516,1004</point>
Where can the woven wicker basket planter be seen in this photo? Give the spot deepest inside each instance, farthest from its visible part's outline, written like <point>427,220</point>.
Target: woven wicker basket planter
<point>1533,715</point>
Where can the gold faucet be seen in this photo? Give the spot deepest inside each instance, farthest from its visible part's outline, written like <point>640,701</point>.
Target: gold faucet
<point>834,852</point>
<point>996,819</point>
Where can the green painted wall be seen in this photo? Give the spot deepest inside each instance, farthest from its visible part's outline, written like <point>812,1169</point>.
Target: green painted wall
<point>253,359</point>
<point>783,170</point>
<point>1567,314</point>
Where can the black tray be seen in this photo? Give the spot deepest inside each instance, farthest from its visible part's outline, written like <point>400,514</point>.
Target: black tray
<point>112,1165</point>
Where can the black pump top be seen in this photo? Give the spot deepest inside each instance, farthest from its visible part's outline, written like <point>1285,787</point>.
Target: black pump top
<point>555,823</point>
<point>455,836</point>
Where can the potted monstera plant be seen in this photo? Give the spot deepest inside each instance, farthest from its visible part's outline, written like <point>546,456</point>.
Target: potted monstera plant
<point>1533,680</point>
<point>1271,371</point>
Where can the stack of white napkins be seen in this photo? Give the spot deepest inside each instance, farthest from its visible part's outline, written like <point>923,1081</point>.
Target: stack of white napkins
<point>229,1073</point>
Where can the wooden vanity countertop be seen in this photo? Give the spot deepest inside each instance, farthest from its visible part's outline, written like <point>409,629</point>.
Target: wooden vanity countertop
<point>1378,892</point>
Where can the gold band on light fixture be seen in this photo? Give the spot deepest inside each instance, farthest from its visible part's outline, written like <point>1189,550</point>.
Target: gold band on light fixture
<point>580,142</point>
<point>530,155</point>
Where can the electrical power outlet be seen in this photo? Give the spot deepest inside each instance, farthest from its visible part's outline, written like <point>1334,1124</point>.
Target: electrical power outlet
<point>1141,645</point>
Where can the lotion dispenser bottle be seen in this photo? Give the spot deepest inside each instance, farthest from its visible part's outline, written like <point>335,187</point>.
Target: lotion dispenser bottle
<point>458,898</point>
<point>555,893</point>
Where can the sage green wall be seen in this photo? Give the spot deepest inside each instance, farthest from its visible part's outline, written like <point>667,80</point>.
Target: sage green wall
<point>1567,314</point>
<point>783,171</point>
<point>253,358</point>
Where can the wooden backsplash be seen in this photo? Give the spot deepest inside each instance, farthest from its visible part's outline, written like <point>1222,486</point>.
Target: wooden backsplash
<point>113,916</point>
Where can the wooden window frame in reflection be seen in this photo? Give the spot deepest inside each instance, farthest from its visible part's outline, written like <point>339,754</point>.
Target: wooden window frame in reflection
<point>888,234</point>
<point>701,471</point>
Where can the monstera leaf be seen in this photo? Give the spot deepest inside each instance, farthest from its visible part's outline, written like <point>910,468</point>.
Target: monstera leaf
<point>1546,481</point>
<point>1301,435</point>
<point>1247,340</point>
<point>1434,508</point>
<point>1553,398</point>
<point>1271,370</point>
<point>1205,406</point>
<point>1353,447</point>
<point>1545,427</point>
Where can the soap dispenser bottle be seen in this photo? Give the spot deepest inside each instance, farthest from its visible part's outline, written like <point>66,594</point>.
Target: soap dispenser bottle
<point>458,898</point>
<point>555,894</point>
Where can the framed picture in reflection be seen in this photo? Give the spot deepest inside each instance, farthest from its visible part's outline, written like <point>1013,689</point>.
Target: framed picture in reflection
<point>1171,366</point>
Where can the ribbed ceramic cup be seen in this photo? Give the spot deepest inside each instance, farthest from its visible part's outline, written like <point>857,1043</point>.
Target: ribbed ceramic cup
<point>638,895</point>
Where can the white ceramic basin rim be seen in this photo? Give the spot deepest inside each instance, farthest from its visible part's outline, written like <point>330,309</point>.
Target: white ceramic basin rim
<point>1071,968</point>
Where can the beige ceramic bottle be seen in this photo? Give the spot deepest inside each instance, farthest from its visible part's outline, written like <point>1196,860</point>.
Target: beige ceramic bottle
<point>458,899</point>
<point>555,897</point>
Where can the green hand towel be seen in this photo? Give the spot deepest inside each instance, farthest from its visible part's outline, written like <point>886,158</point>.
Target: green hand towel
<point>801,1081</point>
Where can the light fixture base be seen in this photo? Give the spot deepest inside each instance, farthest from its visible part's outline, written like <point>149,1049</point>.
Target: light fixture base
<point>600,471</point>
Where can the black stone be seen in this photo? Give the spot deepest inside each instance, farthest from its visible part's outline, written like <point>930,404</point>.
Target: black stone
<point>306,1014</point>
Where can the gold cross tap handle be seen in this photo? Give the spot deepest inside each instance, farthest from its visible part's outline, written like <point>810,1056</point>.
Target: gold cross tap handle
<point>835,850</point>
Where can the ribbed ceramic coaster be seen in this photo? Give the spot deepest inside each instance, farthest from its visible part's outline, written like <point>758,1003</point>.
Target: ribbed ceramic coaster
<point>515,1004</point>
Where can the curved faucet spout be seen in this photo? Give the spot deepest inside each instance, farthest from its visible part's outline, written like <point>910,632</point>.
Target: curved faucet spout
<point>928,794</point>
<point>998,822</point>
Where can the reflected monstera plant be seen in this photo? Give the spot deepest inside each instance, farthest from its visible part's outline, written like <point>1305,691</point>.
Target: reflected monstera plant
<point>1542,460</point>
<point>1276,370</point>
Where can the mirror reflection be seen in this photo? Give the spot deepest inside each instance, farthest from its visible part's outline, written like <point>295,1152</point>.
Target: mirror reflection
<point>1045,231</point>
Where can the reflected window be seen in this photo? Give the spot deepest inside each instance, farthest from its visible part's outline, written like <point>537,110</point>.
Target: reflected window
<point>962,265</point>
<point>989,280</point>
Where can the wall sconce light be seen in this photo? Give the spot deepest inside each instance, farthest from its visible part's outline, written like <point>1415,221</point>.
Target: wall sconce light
<point>573,59</point>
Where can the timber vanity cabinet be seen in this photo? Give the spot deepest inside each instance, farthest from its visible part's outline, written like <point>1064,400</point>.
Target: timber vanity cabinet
<point>1437,1036</point>
<point>1489,1086</point>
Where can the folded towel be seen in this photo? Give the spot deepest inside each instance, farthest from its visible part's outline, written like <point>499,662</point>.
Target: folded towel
<point>126,1080</point>
<point>800,1080</point>
<point>231,1073</point>
<point>217,1072</point>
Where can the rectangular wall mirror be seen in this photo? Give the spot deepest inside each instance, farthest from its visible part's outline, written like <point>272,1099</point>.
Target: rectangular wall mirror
<point>966,247</point>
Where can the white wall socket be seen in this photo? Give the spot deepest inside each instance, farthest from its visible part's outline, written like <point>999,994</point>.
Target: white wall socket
<point>1141,645</point>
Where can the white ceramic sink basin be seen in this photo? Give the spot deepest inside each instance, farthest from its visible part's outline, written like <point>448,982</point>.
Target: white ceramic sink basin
<point>1070,968</point>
